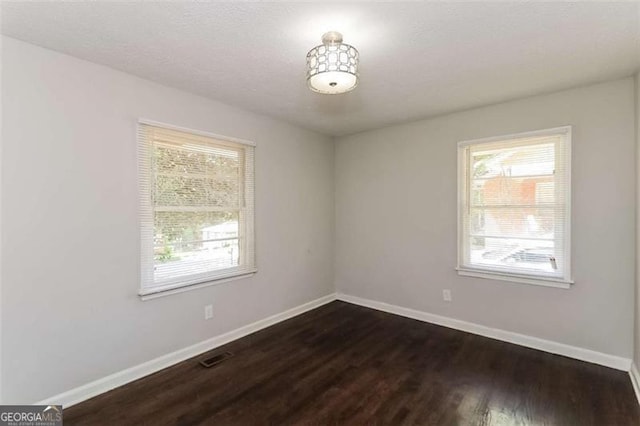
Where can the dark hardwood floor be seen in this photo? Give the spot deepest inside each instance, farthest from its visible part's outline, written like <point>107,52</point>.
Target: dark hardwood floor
<point>345,364</point>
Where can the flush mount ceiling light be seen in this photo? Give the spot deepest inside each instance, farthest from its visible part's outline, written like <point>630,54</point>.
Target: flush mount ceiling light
<point>332,67</point>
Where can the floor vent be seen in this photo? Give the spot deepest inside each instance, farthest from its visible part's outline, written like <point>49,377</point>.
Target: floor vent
<point>215,360</point>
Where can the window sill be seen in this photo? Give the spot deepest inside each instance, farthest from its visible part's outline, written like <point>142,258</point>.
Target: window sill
<point>149,294</point>
<point>522,279</point>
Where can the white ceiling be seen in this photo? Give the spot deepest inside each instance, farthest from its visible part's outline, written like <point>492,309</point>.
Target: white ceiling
<point>417,59</point>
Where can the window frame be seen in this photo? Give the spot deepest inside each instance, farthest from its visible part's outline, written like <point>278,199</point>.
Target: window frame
<point>148,289</point>
<point>463,269</point>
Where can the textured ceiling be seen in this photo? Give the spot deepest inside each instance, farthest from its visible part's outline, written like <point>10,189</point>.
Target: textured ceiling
<point>417,59</point>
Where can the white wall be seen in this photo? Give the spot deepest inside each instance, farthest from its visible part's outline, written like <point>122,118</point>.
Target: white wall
<point>636,358</point>
<point>396,219</point>
<point>1,390</point>
<point>70,312</point>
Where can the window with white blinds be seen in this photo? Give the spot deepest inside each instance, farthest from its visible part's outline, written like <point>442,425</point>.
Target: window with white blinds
<point>514,207</point>
<point>196,208</point>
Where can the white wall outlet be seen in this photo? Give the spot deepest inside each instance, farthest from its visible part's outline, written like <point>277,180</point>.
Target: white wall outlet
<point>446,295</point>
<point>208,312</point>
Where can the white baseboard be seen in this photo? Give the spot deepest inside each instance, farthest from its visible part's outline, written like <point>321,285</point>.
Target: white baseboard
<point>89,390</point>
<point>635,380</point>
<point>588,355</point>
<point>97,387</point>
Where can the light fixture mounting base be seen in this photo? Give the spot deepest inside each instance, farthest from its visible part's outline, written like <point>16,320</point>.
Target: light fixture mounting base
<point>331,38</point>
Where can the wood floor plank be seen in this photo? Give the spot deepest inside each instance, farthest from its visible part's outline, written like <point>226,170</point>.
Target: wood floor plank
<point>345,364</point>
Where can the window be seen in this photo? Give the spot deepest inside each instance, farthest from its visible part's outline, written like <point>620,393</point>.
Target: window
<point>514,207</point>
<point>196,208</point>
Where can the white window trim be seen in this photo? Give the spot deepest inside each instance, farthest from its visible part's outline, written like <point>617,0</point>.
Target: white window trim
<point>150,295</point>
<point>195,132</point>
<point>566,282</point>
<point>205,279</point>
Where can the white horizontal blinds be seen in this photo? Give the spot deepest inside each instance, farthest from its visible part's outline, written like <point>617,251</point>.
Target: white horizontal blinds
<point>515,215</point>
<point>197,213</point>
<point>247,250</point>
<point>145,167</point>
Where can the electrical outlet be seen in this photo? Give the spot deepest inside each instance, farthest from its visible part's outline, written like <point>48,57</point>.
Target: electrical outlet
<point>446,295</point>
<point>208,312</point>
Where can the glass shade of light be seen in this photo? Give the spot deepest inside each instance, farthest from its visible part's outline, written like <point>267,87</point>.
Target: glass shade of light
<point>332,68</point>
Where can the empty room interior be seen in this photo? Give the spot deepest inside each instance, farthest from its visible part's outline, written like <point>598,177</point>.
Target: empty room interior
<point>320,213</point>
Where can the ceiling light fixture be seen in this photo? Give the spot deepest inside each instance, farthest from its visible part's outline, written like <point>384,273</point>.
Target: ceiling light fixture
<point>332,67</point>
